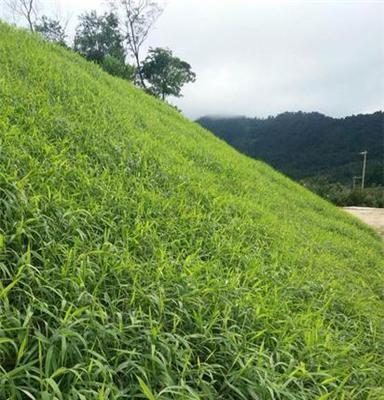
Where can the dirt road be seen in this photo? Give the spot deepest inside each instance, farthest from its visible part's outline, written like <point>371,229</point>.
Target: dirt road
<point>371,216</point>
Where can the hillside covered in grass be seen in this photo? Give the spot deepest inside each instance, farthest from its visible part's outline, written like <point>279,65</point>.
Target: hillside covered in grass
<point>143,258</point>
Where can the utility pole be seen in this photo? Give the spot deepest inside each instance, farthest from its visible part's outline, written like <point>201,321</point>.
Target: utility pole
<point>363,153</point>
<point>354,179</point>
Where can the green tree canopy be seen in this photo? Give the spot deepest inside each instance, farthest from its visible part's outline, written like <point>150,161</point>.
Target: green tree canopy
<point>165,73</point>
<point>99,36</point>
<point>115,67</point>
<point>51,29</point>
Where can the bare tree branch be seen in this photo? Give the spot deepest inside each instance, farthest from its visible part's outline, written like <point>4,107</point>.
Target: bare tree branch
<point>24,8</point>
<point>137,18</point>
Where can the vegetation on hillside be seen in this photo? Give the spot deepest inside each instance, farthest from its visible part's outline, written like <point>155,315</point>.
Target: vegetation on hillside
<point>141,257</point>
<point>98,39</point>
<point>344,195</point>
<point>114,41</point>
<point>319,151</point>
<point>166,74</point>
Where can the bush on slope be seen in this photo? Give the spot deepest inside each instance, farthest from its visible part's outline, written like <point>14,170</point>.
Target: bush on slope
<point>141,257</point>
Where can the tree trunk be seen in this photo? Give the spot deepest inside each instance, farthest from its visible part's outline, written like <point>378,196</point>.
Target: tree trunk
<point>29,15</point>
<point>141,78</point>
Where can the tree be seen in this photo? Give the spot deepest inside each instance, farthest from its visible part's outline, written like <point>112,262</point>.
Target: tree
<point>51,29</point>
<point>165,73</point>
<point>97,37</point>
<point>115,67</point>
<point>24,8</point>
<point>138,17</point>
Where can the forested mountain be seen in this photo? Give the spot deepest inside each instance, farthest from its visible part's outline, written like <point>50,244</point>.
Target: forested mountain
<point>307,145</point>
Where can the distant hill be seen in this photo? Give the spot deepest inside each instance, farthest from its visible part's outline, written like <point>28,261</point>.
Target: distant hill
<point>143,258</point>
<point>304,145</point>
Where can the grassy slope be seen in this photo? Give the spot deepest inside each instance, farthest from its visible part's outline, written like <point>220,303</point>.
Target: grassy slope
<point>142,257</point>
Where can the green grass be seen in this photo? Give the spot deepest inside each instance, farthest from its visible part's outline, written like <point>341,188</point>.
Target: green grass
<point>141,257</point>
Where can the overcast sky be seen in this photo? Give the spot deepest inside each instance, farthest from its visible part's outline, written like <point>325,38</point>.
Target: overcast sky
<point>260,58</point>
